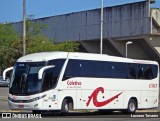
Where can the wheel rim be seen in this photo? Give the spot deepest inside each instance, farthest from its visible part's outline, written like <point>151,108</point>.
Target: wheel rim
<point>66,107</point>
<point>132,107</point>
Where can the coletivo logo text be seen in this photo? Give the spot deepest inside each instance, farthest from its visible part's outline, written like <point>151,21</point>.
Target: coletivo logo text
<point>69,82</point>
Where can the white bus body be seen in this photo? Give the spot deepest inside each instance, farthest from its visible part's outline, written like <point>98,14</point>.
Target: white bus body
<point>62,80</point>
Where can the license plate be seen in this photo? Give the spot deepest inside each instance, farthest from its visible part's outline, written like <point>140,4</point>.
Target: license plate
<point>20,106</point>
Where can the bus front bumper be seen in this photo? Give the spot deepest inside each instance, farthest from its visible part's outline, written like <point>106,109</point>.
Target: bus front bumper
<point>36,105</point>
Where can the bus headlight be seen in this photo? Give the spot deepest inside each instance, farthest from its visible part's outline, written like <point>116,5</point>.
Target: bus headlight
<point>37,98</point>
<point>26,101</point>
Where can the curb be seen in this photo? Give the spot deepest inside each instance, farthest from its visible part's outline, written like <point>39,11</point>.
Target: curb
<point>148,111</point>
<point>10,111</point>
<point>3,98</point>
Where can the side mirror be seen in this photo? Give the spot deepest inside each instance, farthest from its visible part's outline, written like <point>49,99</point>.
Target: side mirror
<point>5,71</point>
<point>40,73</point>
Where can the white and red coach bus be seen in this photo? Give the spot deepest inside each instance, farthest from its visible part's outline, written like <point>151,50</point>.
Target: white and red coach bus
<point>66,80</point>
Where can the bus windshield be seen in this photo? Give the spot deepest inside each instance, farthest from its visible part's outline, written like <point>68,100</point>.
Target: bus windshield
<point>24,78</point>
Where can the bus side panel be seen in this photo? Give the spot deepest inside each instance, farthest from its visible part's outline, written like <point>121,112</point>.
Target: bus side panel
<point>152,99</point>
<point>143,100</point>
<point>131,94</point>
<point>118,102</point>
<point>94,93</point>
<point>149,99</point>
<point>86,95</point>
<point>95,99</point>
<point>78,103</point>
<point>49,103</point>
<point>66,93</point>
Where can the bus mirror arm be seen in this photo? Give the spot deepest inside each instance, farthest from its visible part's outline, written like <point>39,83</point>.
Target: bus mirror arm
<point>40,73</point>
<point>5,71</point>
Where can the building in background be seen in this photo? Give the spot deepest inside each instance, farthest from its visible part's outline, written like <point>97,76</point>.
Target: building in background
<point>136,22</point>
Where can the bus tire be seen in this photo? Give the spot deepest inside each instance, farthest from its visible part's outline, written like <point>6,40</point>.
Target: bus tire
<point>65,107</point>
<point>132,106</point>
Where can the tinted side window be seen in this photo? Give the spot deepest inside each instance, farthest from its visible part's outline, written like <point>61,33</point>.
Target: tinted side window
<point>104,69</point>
<point>99,69</point>
<point>151,71</point>
<point>132,71</point>
<point>48,79</point>
<point>120,70</point>
<point>50,76</point>
<point>155,71</point>
<point>96,69</point>
<point>58,65</point>
<point>73,69</point>
<point>142,71</point>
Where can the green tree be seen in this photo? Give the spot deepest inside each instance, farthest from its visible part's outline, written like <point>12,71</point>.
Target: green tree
<point>11,42</point>
<point>7,53</point>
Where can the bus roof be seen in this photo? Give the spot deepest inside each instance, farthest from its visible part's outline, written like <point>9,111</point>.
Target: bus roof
<point>104,57</point>
<point>42,56</point>
<point>45,56</point>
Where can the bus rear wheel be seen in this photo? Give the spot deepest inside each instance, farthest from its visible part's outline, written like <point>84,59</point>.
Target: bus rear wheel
<point>132,106</point>
<point>65,107</point>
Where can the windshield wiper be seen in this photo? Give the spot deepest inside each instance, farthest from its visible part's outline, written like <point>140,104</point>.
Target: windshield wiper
<point>23,81</point>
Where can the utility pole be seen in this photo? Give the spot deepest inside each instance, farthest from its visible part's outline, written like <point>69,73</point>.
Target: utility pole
<point>24,27</point>
<point>101,41</point>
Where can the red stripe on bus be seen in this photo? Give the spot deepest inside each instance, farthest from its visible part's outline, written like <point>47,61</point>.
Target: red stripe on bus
<point>96,102</point>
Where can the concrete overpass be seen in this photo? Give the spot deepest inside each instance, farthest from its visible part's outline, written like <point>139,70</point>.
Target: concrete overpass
<point>135,22</point>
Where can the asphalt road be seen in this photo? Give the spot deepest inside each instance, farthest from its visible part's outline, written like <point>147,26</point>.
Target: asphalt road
<point>92,117</point>
<point>78,116</point>
<point>82,119</point>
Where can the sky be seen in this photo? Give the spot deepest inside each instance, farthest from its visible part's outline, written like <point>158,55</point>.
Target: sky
<point>12,10</point>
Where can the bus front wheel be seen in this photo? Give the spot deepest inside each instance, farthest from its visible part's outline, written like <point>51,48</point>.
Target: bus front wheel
<point>65,107</point>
